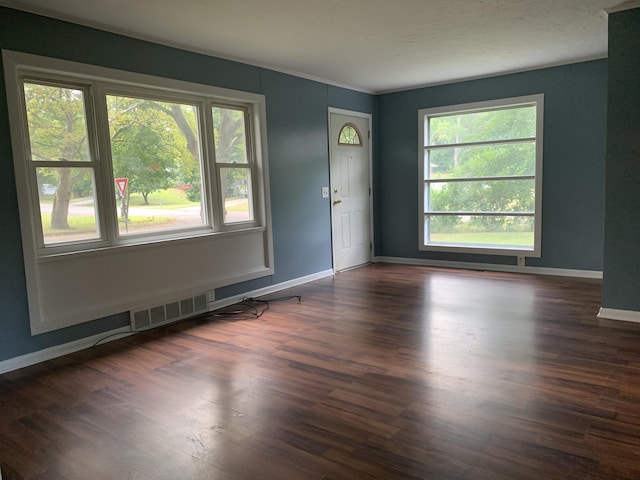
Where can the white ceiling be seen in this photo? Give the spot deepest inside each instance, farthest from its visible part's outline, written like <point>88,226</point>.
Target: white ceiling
<point>370,45</point>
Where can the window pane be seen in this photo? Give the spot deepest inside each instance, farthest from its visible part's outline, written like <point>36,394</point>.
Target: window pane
<point>483,161</point>
<point>236,193</point>
<point>229,135</point>
<point>505,231</point>
<point>349,135</point>
<point>482,196</point>
<point>156,146</point>
<point>57,123</point>
<point>67,204</point>
<point>503,124</point>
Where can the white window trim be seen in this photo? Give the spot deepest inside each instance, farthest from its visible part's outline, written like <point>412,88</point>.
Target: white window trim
<point>250,165</point>
<point>67,288</point>
<point>535,251</point>
<point>100,81</point>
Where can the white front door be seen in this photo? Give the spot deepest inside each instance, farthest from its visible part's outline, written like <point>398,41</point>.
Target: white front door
<point>350,190</point>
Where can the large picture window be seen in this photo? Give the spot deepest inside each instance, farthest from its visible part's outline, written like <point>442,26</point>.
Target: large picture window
<point>481,167</point>
<point>109,162</point>
<point>134,191</point>
<point>155,146</point>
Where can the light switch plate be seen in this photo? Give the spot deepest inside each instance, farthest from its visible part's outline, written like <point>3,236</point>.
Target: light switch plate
<point>325,192</point>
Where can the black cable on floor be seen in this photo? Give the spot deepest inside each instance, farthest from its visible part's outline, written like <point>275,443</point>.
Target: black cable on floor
<point>130,332</point>
<point>249,308</point>
<point>246,309</point>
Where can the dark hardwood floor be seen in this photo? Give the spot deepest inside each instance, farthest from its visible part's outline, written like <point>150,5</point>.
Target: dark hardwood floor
<point>384,372</point>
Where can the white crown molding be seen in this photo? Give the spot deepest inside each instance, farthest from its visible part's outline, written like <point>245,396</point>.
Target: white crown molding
<point>45,12</point>
<point>492,75</point>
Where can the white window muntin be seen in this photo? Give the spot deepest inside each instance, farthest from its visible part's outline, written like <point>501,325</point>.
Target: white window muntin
<point>32,165</point>
<point>98,81</point>
<point>425,182</point>
<point>200,103</point>
<point>250,165</point>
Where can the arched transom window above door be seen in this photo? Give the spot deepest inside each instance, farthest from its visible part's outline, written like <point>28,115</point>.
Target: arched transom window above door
<point>350,135</point>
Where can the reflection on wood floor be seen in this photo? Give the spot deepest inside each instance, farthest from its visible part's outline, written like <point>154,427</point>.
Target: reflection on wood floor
<point>383,372</point>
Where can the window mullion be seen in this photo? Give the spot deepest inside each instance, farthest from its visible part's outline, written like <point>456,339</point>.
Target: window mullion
<point>212,173</point>
<point>254,193</point>
<point>107,208</point>
<point>251,153</point>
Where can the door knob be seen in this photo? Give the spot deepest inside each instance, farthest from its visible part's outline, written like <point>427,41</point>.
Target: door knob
<point>336,202</point>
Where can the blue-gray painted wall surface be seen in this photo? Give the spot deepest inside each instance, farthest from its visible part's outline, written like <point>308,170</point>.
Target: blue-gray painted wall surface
<point>574,139</point>
<point>621,284</point>
<point>349,100</point>
<point>298,156</point>
<point>574,152</point>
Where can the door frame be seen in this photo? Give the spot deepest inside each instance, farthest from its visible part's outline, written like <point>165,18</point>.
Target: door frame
<point>368,139</point>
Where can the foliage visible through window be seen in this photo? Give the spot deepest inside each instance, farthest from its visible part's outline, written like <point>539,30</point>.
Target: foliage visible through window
<point>156,146</point>
<point>233,163</point>
<point>480,173</point>
<point>151,142</point>
<point>61,157</point>
<point>349,135</point>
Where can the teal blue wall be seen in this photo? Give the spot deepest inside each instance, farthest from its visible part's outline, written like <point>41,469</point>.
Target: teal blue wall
<point>574,150</point>
<point>297,120</point>
<point>621,285</point>
<point>573,179</point>
<point>298,155</point>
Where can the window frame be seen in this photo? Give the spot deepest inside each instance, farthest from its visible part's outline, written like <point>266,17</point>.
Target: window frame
<point>250,165</point>
<point>32,165</point>
<point>424,212</point>
<point>115,89</point>
<point>97,83</point>
<point>358,135</point>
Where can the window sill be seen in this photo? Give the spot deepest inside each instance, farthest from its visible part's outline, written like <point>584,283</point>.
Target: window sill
<point>146,243</point>
<point>507,250</point>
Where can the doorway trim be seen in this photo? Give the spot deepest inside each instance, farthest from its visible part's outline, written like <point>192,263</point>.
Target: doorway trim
<point>368,137</point>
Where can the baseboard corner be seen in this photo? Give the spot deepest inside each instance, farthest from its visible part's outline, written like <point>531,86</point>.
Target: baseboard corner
<point>617,314</point>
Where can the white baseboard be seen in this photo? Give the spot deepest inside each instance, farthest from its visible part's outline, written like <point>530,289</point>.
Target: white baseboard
<point>492,267</point>
<point>59,350</point>
<point>622,315</point>
<point>71,347</point>
<point>225,302</point>
<point>67,348</point>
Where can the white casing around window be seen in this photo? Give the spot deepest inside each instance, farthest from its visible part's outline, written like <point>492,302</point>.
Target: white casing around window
<point>535,251</point>
<point>81,284</point>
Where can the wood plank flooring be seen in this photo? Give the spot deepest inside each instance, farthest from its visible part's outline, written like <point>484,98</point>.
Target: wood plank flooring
<point>384,372</point>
